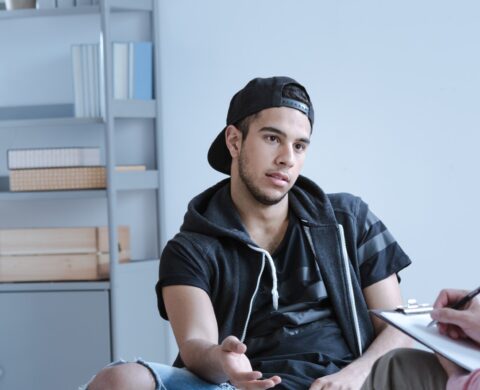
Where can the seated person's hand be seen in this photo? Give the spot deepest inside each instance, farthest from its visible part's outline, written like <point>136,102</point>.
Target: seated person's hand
<point>457,324</point>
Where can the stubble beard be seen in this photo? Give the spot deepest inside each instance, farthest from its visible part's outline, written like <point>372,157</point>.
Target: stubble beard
<point>254,190</point>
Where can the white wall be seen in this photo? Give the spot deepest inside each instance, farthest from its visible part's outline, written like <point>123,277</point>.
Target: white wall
<point>396,91</point>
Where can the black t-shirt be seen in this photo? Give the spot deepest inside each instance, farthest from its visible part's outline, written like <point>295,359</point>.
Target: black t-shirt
<point>301,341</point>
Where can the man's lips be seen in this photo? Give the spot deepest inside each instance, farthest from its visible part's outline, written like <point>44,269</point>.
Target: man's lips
<point>279,176</point>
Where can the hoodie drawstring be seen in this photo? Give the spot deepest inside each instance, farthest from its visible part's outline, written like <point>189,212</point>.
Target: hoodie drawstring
<point>273,270</point>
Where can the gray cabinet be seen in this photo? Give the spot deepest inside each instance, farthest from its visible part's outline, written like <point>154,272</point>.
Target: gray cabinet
<point>52,336</point>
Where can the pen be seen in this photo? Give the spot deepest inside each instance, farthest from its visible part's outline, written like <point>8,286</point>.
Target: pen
<point>461,302</point>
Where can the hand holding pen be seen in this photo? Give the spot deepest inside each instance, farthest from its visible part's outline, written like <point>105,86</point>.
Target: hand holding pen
<point>458,314</point>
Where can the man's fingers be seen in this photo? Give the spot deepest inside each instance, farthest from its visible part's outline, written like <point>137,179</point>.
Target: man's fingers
<point>241,377</point>
<point>448,297</point>
<point>259,384</point>
<point>450,316</point>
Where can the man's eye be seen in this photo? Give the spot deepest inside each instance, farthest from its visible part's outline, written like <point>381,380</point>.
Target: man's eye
<point>272,138</point>
<point>300,147</point>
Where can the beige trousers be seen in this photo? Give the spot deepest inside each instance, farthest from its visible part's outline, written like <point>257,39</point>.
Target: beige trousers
<point>406,369</point>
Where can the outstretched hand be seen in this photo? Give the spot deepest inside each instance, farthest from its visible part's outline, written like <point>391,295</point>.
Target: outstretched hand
<point>237,367</point>
<point>457,324</point>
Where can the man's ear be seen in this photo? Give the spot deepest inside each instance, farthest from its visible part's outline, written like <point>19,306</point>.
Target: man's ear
<point>233,139</point>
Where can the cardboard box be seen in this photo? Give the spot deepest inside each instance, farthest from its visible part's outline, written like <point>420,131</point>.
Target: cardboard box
<point>54,254</point>
<point>48,267</point>
<point>48,241</point>
<point>51,179</point>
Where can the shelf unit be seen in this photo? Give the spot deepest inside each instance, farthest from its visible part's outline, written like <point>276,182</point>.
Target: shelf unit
<point>118,183</point>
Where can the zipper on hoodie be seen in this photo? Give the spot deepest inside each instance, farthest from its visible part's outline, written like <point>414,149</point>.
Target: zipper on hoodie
<point>346,270</point>
<point>351,295</point>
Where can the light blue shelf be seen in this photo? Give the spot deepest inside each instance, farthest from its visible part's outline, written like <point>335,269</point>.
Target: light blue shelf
<point>134,108</point>
<point>34,13</point>
<point>131,181</point>
<point>54,286</point>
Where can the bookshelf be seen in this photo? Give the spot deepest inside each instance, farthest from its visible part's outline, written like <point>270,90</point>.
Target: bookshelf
<point>128,195</point>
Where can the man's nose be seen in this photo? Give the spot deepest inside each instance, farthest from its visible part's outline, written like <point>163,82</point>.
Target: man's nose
<point>286,156</point>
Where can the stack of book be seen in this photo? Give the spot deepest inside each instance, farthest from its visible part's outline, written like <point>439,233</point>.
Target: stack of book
<point>133,70</point>
<point>55,169</point>
<point>132,75</point>
<point>54,254</point>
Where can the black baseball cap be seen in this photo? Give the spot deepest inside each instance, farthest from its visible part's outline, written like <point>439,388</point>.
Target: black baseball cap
<point>257,95</point>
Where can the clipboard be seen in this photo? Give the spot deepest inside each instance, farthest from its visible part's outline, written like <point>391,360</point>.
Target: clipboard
<point>464,353</point>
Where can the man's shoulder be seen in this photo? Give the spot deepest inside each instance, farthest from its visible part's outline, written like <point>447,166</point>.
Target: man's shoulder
<point>344,202</point>
<point>196,244</point>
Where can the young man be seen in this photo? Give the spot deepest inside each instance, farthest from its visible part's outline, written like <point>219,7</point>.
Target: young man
<point>269,281</point>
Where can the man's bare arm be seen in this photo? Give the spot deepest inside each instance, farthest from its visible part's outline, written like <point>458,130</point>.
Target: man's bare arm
<point>194,324</point>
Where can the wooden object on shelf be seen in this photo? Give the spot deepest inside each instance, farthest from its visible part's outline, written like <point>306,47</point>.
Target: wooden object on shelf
<point>71,178</point>
<point>50,179</point>
<point>48,241</point>
<point>55,254</point>
<point>48,267</point>
<point>129,168</point>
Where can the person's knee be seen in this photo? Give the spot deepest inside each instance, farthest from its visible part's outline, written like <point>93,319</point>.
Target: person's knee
<point>128,376</point>
<point>406,368</point>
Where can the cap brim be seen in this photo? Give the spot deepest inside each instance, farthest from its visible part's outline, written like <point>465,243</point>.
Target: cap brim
<point>219,156</point>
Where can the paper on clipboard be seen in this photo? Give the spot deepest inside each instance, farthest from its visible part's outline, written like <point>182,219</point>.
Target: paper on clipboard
<point>464,353</point>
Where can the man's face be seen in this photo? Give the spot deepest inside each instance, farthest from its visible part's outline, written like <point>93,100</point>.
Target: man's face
<point>272,155</point>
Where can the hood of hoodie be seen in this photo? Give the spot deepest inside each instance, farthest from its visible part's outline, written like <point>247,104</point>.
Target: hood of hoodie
<point>213,213</point>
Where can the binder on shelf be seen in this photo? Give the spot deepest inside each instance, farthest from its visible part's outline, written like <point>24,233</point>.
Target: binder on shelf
<point>120,70</point>
<point>52,157</point>
<point>142,70</point>
<point>86,80</point>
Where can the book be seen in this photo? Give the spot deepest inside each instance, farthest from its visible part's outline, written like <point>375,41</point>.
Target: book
<point>52,157</point>
<point>78,86</point>
<point>120,70</point>
<point>462,352</point>
<point>133,70</point>
<point>142,74</point>
<point>86,80</point>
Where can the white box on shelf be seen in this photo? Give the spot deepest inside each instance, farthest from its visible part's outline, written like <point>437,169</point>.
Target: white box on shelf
<point>52,157</point>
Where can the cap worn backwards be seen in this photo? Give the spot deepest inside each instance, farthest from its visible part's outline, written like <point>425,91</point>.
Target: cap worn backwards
<point>257,95</point>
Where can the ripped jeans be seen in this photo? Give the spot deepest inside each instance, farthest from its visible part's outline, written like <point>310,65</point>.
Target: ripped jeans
<point>172,378</point>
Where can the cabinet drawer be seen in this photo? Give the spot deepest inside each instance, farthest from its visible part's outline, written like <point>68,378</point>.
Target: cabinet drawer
<point>52,339</point>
